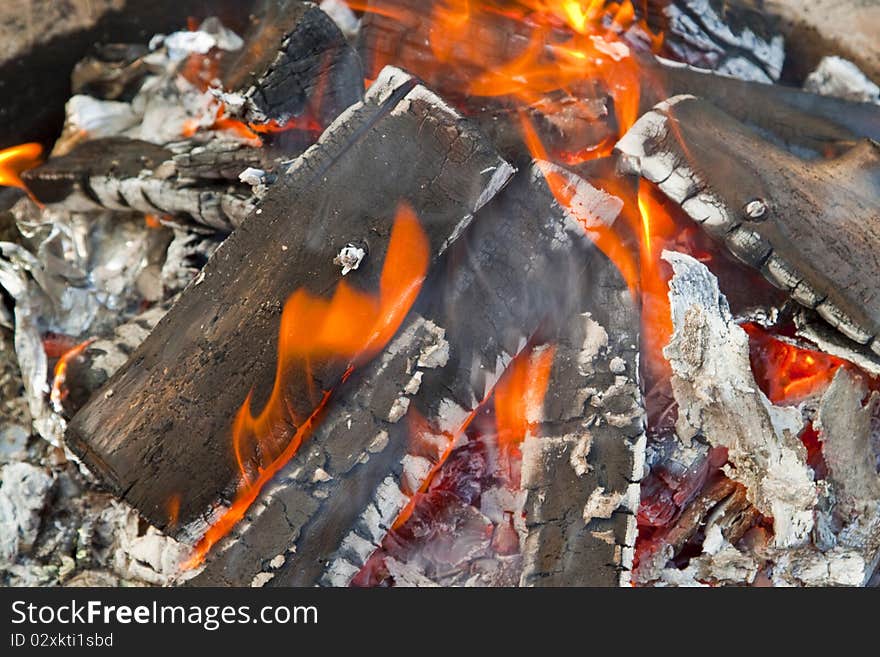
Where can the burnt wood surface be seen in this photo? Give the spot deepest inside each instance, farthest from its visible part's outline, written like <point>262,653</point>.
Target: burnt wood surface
<point>295,63</point>
<point>810,226</point>
<point>162,425</point>
<point>128,175</point>
<point>583,465</point>
<point>521,261</point>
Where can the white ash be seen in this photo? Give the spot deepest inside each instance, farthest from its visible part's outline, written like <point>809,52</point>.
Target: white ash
<point>841,78</point>
<point>350,258</point>
<point>719,399</point>
<point>343,16</point>
<point>24,492</point>
<point>92,118</point>
<point>252,176</point>
<point>601,504</point>
<point>211,34</point>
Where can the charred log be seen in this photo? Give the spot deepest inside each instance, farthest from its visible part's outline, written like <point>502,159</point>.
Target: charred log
<point>799,120</point>
<point>129,175</point>
<point>732,38</point>
<point>224,328</point>
<point>296,64</point>
<point>806,225</point>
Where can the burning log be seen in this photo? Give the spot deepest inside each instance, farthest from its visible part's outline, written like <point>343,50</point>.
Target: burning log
<point>582,468</point>
<point>296,66</point>
<point>225,326</point>
<point>512,269</point>
<point>129,175</point>
<point>806,225</point>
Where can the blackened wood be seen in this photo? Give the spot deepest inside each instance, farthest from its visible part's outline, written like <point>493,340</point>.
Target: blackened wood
<point>522,260</point>
<point>295,63</point>
<point>130,175</point>
<point>163,424</point>
<point>583,464</point>
<point>807,225</point>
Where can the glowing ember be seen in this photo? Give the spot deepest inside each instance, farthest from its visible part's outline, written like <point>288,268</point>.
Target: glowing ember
<point>788,374</point>
<point>17,159</point>
<point>59,392</point>
<point>353,326</point>
<point>438,525</point>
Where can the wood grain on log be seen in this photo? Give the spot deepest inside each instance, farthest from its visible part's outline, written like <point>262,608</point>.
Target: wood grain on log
<point>162,426</point>
<point>807,225</point>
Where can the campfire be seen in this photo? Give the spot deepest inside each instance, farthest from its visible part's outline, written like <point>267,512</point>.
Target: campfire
<point>447,293</point>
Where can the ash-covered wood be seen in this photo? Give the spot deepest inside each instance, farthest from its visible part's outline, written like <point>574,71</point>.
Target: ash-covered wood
<point>130,175</point>
<point>521,261</point>
<point>295,63</point>
<point>162,425</point>
<point>807,225</point>
<point>581,469</point>
<point>719,401</point>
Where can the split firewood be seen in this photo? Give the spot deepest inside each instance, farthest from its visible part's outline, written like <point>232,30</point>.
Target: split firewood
<point>129,175</point>
<point>719,400</point>
<point>296,64</point>
<point>807,225</point>
<point>162,425</point>
<point>515,266</point>
<point>582,466</point>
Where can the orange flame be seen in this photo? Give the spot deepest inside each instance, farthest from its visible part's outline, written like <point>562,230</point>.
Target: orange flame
<point>58,392</point>
<point>17,159</point>
<point>519,404</point>
<point>353,326</point>
<point>519,396</point>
